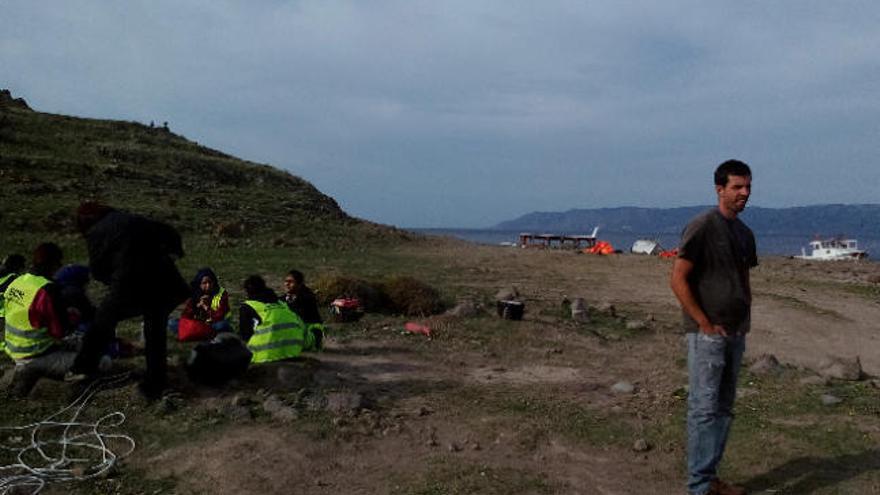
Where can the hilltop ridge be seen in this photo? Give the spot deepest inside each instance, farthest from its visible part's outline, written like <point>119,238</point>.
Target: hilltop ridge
<point>50,163</point>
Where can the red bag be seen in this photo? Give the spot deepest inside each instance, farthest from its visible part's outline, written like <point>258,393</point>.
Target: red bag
<point>193,330</point>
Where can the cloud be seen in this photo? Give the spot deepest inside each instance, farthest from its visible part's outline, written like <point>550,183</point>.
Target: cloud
<point>474,112</point>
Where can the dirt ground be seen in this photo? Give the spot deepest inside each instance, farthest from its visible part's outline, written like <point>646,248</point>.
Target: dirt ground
<point>495,406</point>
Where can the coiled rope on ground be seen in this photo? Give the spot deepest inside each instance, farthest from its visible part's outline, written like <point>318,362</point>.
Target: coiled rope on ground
<point>62,447</point>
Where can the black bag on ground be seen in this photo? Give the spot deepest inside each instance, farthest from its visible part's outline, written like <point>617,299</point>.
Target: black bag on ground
<point>218,361</point>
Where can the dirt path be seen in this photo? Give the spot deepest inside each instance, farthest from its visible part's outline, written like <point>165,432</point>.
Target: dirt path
<point>502,407</point>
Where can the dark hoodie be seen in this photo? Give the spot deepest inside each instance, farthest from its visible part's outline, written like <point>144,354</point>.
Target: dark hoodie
<point>247,315</point>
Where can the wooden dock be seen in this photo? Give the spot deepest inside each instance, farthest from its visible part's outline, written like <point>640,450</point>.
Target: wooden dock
<point>547,241</point>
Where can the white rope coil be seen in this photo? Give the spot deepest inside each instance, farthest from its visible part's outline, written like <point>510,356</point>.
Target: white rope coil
<point>62,448</point>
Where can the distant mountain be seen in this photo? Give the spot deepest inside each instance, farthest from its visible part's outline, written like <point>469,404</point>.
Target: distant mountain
<point>827,220</point>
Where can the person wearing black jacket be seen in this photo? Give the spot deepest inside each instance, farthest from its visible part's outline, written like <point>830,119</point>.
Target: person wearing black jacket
<point>302,301</point>
<point>134,256</point>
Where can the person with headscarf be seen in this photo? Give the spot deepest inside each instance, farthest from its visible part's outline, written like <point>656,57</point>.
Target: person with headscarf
<point>135,257</point>
<point>206,312</point>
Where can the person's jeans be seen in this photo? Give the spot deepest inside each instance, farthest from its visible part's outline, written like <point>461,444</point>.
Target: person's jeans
<point>713,367</point>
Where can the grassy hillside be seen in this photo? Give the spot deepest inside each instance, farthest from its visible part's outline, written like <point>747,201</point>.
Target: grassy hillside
<point>50,163</point>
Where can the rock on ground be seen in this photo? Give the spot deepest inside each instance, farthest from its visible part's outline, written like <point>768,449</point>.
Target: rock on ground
<point>765,364</point>
<point>841,368</point>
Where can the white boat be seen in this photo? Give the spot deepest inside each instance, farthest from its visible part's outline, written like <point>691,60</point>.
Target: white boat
<point>833,249</point>
<point>646,246</point>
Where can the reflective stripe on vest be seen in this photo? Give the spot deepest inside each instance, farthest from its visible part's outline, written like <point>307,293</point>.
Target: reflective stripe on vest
<point>22,339</point>
<point>279,335</point>
<point>215,303</point>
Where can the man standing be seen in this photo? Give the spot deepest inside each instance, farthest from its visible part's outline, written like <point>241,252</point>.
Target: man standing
<point>710,278</point>
<point>134,256</point>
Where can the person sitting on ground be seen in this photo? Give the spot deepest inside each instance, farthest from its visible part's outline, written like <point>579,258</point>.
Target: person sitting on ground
<point>12,267</point>
<point>302,301</point>
<point>79,310</point>
<point>34,324</point>
<point>272,331</point>
<point>206,312</point>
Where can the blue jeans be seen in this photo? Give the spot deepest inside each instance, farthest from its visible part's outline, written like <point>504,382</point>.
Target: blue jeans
<point>713,367</point>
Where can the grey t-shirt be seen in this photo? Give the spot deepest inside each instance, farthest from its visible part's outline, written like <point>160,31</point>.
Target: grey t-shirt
<point>722,252</point>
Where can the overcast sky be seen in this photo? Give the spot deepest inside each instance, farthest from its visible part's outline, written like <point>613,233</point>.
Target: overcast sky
<point>468,113</point>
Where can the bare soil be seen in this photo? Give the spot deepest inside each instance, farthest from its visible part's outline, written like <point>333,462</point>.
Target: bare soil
<point>492,406</point>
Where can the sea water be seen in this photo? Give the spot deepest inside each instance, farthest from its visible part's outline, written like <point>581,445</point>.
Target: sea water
<point>777,245</point>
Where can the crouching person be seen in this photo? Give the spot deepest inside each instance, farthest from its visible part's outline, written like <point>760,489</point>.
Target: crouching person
<point>272,331</point>
<point>34,328</point>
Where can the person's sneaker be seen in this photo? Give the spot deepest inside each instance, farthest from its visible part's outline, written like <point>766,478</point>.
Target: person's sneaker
<point>719,487</point>
<point>75,377</point>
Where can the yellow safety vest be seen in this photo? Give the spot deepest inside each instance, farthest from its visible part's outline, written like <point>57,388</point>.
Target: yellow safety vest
<point>279,335</point>
<point>22,339</point>
<point>5,280</point>
<point>215,303</point>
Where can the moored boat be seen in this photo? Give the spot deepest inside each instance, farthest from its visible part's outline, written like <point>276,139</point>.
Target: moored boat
<point>835,248</point>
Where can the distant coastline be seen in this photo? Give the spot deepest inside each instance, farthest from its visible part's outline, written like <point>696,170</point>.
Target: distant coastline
<point>768,244</point>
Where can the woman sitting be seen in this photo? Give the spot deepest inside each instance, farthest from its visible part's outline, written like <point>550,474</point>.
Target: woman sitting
<point>206,312</point>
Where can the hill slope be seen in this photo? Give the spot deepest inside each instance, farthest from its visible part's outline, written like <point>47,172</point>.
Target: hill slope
<point>50,163</point>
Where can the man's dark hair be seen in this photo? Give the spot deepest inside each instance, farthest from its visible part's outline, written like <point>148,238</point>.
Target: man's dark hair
<point>728,168</point>
<point>47,259</point>
<point>254,285</point>
<point>297,276</point>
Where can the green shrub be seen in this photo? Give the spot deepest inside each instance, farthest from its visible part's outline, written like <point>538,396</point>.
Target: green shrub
<point>411,297</point>
<point>328,288</point>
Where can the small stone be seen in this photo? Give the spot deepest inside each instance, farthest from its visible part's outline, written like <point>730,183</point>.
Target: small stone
<point>272,403</point>
<point>623,388</point>
<point>453,447</point>
<point>641,445</point>
<point>841,368</point>
<point>239,413</point>
<point>830,400</point>
<point>287,414</point>
<point>606,308</point>
<point>345,402</point>
<point>475,446</point>
<point>636,325</point>
<point>464,309</point>
<point>507,294</point>
<point>765,364</point>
